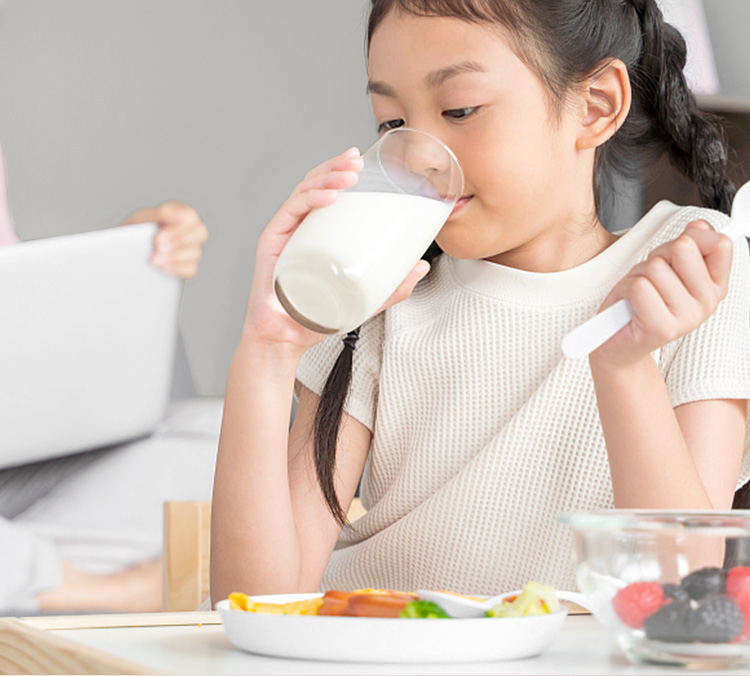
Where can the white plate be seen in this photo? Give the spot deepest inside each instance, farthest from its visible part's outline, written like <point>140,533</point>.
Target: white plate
<point>376,639</point>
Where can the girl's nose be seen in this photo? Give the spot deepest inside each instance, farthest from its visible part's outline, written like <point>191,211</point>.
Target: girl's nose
<point>419,164</point>
<point>425,157</point>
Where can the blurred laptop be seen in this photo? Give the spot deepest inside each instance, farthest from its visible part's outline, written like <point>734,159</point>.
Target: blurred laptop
<point>87,335</point>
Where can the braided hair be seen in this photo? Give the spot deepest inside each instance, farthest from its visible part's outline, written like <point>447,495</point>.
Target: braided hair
<point>564,43</point>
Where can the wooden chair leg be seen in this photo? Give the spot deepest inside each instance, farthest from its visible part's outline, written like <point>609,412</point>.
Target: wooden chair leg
<point>186,555</point>
<point>187,551</point>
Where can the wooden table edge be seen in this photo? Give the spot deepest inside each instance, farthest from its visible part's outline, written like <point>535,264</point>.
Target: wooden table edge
<point>28,646</point>
<point>57,622</point>
<point>25,649</point>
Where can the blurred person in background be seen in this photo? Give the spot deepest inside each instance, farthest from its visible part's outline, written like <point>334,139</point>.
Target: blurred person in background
<point>83,532</point>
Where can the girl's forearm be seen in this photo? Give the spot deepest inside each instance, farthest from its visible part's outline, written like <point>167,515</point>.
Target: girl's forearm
<point>650,463</point>
<point>254,544</point>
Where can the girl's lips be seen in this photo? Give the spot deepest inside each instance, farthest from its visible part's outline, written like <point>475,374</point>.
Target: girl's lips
<point>462,201</point>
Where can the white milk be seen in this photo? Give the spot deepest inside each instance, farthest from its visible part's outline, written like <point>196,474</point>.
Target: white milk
<point>346,259</point>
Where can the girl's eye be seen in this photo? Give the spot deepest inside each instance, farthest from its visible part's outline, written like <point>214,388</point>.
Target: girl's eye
<point>460,113</point>
<point>390,124</point>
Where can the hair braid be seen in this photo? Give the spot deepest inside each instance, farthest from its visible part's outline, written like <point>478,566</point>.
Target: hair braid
<point>327,424</point>
<point>694,140</point>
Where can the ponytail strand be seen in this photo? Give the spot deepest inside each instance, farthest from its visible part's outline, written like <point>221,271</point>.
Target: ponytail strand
<point>327,424</point>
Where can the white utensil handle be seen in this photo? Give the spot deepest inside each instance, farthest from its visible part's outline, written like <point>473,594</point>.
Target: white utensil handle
<point>585,338</point>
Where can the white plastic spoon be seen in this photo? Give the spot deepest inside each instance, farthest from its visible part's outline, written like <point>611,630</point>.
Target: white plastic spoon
<point>584,339</point>
<point>460,606</point>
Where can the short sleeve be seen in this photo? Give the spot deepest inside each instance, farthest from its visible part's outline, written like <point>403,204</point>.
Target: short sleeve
<point>713,362</point>
<point>317,362</point>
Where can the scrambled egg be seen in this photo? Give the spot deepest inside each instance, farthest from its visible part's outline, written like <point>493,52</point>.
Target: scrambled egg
<point>238,601</point>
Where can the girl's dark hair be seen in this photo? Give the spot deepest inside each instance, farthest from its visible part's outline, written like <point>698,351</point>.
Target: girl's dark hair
<point>565,42</point>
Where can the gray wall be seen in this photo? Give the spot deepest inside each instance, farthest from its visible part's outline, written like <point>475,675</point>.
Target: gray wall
<point>107,105</point>
<point>728,24</point>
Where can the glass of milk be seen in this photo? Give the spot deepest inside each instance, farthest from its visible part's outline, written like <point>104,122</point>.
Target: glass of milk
<point>346,259</point>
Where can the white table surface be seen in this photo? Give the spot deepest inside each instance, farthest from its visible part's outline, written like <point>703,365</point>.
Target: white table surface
<point>583,647</point>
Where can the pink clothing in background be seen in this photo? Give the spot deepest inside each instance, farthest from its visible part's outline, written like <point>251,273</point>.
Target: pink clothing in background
<point>7,231</point>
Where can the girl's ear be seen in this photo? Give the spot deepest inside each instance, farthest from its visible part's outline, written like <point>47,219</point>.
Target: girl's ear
<point>607,96</point>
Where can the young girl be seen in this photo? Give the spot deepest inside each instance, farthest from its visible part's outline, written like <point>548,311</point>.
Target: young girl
<point>468,428</point>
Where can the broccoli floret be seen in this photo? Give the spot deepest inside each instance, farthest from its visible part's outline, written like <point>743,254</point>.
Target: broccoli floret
<point>423,609</point>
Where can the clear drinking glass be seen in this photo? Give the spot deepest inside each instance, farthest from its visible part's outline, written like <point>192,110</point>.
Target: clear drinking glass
<point>346,259</point>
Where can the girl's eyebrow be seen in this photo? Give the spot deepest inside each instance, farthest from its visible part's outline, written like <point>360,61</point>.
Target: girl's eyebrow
<point>432,80</point>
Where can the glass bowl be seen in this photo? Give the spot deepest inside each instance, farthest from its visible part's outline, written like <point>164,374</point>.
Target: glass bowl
<point>673,587</point>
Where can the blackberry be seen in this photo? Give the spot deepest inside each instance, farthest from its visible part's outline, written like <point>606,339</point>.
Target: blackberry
<point>675,592</point>
<point>670,623</point>
<point>705,581</point>
<point>717,619</point>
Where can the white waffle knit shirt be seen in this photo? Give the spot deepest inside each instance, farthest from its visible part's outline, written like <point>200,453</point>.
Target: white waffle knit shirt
<point>483,431</point>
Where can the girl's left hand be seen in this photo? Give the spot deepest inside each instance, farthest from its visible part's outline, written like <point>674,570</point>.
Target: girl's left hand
<point>178,245</point>
<point>672,292</point>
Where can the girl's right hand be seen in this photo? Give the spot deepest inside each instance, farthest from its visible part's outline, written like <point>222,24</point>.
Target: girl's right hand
<point>266,321</point>
<point>672,292</point>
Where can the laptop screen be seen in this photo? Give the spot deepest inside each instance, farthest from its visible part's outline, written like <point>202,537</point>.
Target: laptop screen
<point>87,335</point>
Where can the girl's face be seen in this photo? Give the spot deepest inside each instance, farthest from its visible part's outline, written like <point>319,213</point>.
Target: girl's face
<point>528,199</point>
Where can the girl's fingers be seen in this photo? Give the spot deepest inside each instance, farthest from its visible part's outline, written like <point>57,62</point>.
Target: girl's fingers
<point>316,192</point>
<point>677,287</point>
<point>319,189</point>
<point>692,269</point>
<point>702,259</point>
<point>665,279</point>
<point>338,180</point>
<point>299,205</point>
<point>296,207</point>
<point>349,160</point>
<point>404,289</point>
<point>652,318</point>
<point>717,250</point>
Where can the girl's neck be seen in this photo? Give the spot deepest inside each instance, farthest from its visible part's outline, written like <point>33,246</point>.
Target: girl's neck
<point>566,247</point>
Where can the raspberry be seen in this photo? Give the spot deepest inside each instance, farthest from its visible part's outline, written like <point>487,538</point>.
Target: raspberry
<point>634,603</point>
<point>705,581</point>
<point>717,619</point>
<point>670,623</point>
<point>738,589</point>
<point>675,592</point>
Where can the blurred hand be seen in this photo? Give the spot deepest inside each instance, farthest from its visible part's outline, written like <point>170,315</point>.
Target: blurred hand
<point>178,245</point>
<point>673,292</point>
